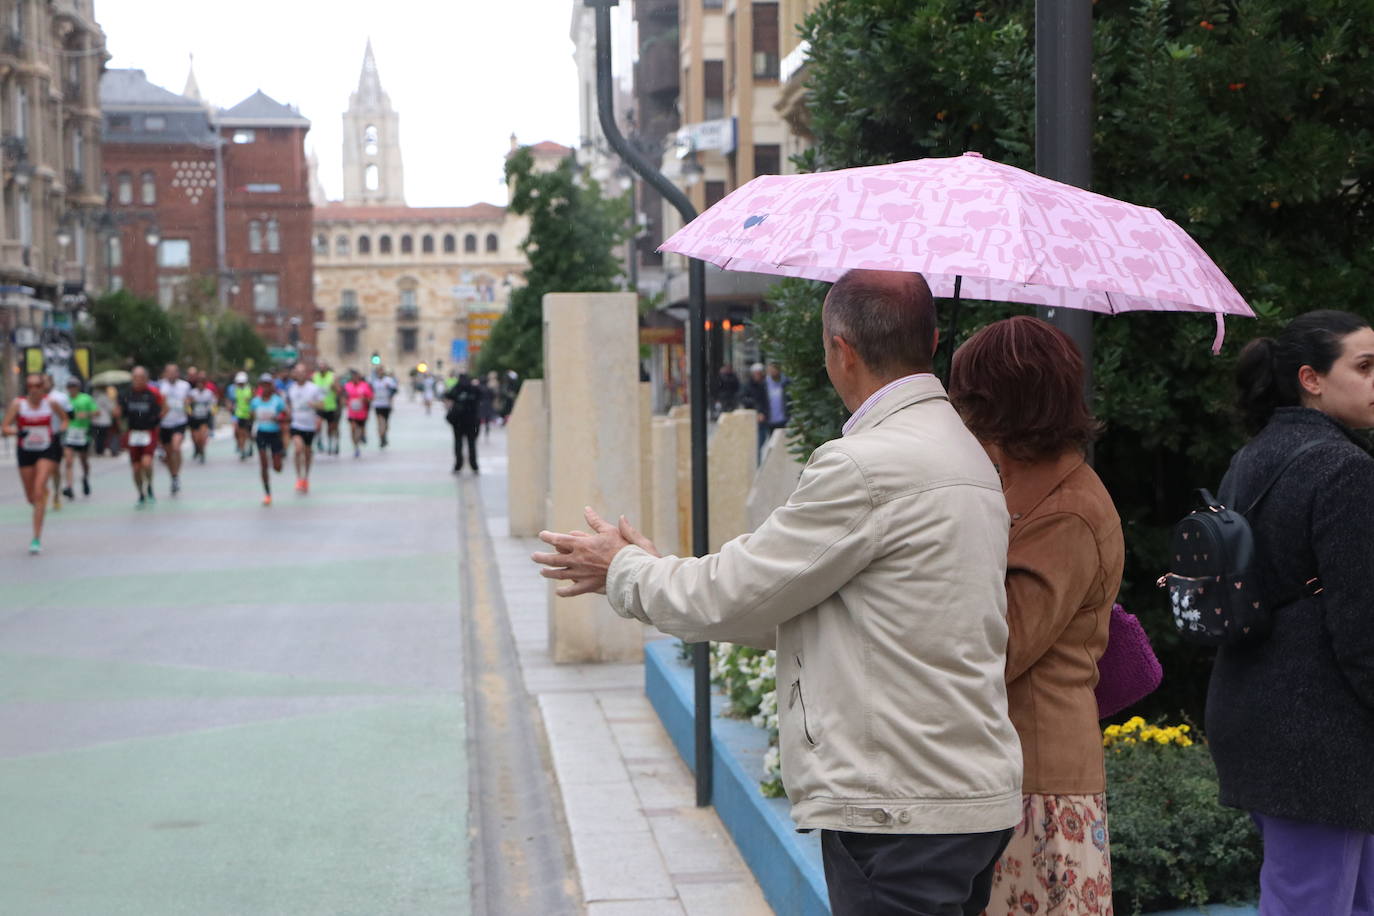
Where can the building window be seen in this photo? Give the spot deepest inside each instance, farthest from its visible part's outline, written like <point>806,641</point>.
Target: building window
<point>348,299</point>
<point>713,72</point>
<point>348,341</point>
<point>149,189</point>
<point>427,244</point>
<point>115,254</point>
<point>410,340</point>
<point>125,182</point>
<point>170,290</point>
<point>322,244</point>
<point>25,218</point>
<point>407,245</point>
<point>265,297</point>
<point>341,246</point>
<point>715,192</point>
<point>384,245</point>
<point>255,236</point>
<point>364,244</point>
<point>408,299</point>
<point>78,153</point>
<point>121,122</point>
<point>470,243</point>
<point>372,178</point>
<point>767,159</point>
<point>155,123</point>
<point>450,244</point>
<point>21,112</point>
<point>174,253</point>
<point>493,243</point>
<point>273,236</point>
<point>263,187</point>
<point>245,136</point>
<point>765,41</point>
<point>370,140</point>
<point>116,283</point>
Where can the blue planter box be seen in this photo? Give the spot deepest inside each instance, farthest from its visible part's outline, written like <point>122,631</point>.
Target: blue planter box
<point>786,864</point>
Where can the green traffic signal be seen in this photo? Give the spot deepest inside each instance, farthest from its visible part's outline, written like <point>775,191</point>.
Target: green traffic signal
<point>376,359</point>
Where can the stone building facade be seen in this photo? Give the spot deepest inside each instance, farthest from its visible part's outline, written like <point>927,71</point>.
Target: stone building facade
<point>52,53</point>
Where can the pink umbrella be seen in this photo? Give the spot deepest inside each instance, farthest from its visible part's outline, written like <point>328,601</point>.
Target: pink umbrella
<point>973,227</point>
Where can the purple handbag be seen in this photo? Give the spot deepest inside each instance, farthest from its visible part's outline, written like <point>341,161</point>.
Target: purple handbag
<point>1128,671</point>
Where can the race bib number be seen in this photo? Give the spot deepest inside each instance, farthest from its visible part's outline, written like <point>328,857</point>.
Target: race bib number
<point>266,413</point>
<point>175,405</point>
<point>140,438</point>
<point>200,411</point>
<point>356,405</point>
<point>76,436</point>
<point>38,439</point>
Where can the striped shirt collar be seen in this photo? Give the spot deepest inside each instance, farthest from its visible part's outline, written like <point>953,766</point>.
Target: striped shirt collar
<point>877,396</point>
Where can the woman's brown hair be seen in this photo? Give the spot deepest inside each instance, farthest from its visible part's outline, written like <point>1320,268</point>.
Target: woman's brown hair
<point>1018,384</point>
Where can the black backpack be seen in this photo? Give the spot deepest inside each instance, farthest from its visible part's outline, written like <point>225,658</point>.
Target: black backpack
<point>1212,585</point>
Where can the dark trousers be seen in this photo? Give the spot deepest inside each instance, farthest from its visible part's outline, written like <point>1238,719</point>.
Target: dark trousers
<point>463,434</point>
<point>881,874</point>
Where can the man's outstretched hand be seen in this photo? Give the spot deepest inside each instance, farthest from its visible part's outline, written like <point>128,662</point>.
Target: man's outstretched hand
<point>583,559</point>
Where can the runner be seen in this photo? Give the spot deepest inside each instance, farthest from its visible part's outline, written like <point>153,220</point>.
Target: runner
<point>359,396</point>
<point>31,418</point>
<point>269,409</point>
<point>427,386</point>
<point>60,400</point>
<point>175,391</point>
<point>240,394</point>
<point>202,405</point>
<point>384,388</point>
<point>325,380</point>
<point>305,399</point>
<point>141,409</point>
<point>77,441</point>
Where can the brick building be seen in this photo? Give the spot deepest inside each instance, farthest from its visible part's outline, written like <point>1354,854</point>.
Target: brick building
<point>210,203</point>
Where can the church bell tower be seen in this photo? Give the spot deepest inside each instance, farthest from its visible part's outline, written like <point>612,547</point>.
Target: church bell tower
<point>372,143</point>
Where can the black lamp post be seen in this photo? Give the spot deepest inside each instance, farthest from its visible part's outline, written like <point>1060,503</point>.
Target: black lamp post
<point>696,343</point>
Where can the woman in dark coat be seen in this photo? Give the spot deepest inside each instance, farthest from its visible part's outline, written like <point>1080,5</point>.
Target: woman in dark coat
<point>1290,717</point>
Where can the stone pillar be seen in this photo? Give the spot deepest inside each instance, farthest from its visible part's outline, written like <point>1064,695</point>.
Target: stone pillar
<point>663,487</point>
<point>776,479</point>
<point>645,521</point>
<point>684,482</point>
<point>527,454</point>
<point>591,367</point>
<point>731,458</point>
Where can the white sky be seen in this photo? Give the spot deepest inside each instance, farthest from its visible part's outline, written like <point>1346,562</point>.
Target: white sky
<point>463,74</point>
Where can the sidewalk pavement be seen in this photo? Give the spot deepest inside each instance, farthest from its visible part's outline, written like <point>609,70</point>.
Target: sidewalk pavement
<point>640,843</point>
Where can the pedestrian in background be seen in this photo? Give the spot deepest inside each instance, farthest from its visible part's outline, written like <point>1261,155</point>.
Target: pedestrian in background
<point>1290,716</point>
<point>727,389</point>
<point>754,396</point>
<point>464,414</point>
<point>882,582</point>
<point>1018,384</point>
<point>103,422</point>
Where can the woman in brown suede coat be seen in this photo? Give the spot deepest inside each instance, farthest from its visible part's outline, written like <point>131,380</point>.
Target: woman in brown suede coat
<point>1018,386</point>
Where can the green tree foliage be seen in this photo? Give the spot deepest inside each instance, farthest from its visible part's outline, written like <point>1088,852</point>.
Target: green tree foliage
<point>1249,123</point>
<point>214,338</point>
<point>129,330</point>
<point>574,232</point>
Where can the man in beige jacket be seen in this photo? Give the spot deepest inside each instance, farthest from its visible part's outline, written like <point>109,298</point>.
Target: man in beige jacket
<point>882,581</point>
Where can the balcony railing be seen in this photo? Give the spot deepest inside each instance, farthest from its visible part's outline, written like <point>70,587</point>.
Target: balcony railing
<point>348,313</point>
<point>14,43</point>
<point>76,181</point>
<point>407,313</point>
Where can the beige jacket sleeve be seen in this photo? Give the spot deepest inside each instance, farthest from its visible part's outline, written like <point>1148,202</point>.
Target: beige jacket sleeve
<point>803,553</point>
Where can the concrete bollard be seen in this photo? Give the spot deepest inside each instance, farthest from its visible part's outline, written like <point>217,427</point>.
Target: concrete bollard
<point>730,467</point>
<point>527,452</point>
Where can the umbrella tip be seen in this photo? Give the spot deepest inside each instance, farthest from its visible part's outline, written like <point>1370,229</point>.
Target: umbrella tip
<point>974,155</point>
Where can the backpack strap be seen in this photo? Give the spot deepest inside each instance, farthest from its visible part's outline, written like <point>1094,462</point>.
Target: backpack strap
<point>1274,478</point>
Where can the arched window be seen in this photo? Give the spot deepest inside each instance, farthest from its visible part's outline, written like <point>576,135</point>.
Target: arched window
<point>341,246</point>
<point>273,236</point>
<point>322,244</point>
<point>149,189</point>
<point>372,178</point>
<point>407,245</point>
<point>370,140</point>
<point>469,243</point>
<point>364,245</point>
<point>427,244</point>
<point>450,244</point>
<point>384,245</point>
<point>255,235</point>
<point>493,243</point>
<point>125,183</point>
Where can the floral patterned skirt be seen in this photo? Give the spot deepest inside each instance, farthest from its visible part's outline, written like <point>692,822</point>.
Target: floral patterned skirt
<point>1057,861</point>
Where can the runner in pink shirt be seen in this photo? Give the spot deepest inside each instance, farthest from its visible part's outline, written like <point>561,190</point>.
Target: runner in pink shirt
<point>358,398</point>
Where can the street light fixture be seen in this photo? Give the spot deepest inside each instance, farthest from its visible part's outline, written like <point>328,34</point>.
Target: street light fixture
<point>153,236</point>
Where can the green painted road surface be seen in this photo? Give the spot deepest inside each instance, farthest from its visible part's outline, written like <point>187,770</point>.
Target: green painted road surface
<point>211,707</point>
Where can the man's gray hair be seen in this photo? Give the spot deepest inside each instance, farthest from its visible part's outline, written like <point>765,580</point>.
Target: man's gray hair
<point>888,317</point>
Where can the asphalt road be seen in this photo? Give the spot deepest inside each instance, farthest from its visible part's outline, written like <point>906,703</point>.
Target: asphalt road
<point>214,707</point>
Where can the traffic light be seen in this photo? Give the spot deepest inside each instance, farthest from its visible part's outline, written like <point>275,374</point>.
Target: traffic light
<point>376,358</point>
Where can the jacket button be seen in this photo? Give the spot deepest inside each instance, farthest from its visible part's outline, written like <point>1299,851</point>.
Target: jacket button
<point>880,816</point>
<point>904,817</point>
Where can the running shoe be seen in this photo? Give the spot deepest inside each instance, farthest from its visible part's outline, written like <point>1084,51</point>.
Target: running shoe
<point>357,452</point>
<point>85,486</point>
<point>35,547</point>
<point>300,485</point>
<point>56,502</point>
<point>176,485</point>
<point>267,500</point>
<point>305,486</point>
<point>68,492</point>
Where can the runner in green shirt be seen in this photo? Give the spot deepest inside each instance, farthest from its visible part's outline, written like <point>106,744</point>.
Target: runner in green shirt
<point>78,438</point>
<point>327,382</point>
<point>240,394</point>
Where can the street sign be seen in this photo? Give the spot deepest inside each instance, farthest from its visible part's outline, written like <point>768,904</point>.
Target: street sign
<point>282,354</point>
<point>479,330</point>
<point>458,352</point>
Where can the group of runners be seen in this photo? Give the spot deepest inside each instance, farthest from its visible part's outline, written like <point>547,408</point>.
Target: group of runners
<point>301,410</point>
